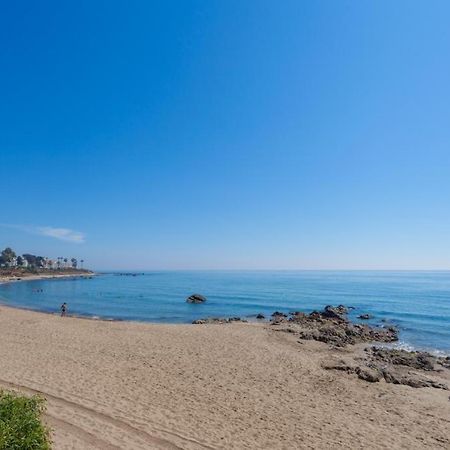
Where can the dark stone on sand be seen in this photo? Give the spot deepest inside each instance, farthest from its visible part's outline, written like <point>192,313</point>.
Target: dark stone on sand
<point>340,365</point>
<point>367,374</point>
<point>412,380</point>
<point>397,357</point>
<point>396,366</point>
<point>445,362</point>
<point>260,316</point>
<point>196,298</point>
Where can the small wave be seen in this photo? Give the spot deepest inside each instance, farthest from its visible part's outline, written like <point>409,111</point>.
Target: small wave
<point>402,345</point>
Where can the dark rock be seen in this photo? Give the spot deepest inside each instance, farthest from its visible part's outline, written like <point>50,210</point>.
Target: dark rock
<point>279,314</point>
<point>412,380</point>
<point>297,316</point>
<point>444,362</point>
<point>394,365</point>
<point>331,326</point>
<point>210,320</point>
<point>315,315</point>
<point>334,312</point>
<point>417,360</point>
<point>236,319</point>
<point>260,316</point>
<point>196,298</point>
<point>370,375</point>
<point>365,316</point>
<point>340,364</point>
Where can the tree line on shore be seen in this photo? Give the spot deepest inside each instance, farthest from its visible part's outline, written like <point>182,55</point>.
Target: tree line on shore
<point>9,259</point>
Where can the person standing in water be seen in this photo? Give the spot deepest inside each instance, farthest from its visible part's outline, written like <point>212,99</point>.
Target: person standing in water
<point>63,309</point>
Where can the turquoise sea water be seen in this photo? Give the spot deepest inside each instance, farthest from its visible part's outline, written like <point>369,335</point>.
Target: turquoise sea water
<point>417,302</point>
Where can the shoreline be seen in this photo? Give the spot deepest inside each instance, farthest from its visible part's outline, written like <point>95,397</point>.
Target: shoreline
<point>134,385</point>
<point>36,277</point>
<point>400,344</point>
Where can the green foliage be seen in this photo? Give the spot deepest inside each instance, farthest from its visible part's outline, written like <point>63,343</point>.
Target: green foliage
<point>8,254</point>
<point>20,423</point>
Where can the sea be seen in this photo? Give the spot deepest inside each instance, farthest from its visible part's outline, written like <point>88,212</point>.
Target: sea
<point>417,302</point>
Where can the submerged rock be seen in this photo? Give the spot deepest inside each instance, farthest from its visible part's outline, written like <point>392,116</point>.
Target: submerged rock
<point>196,298</point>
<point>365,316</point>
<point>260,316</point>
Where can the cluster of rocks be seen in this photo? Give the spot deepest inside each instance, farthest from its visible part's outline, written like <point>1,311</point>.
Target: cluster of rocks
<point>331,326</point>
<point>395,366</point>
<point>217,320</point>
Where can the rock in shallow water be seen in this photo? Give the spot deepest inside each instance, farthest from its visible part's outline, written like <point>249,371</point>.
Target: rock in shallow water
<point>365,316</point>
<point>332,326</point>
<point>196,298</point>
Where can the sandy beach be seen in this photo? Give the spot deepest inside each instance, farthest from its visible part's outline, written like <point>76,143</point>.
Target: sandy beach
<point>121,385</point>
<point>32,277</point>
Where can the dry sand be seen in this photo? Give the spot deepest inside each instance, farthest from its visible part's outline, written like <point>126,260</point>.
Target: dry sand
<point>119,385</point>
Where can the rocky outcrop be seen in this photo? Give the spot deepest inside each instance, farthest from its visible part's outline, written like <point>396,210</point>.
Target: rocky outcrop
<point>414,369</point>
<point>196,298</point>
<point>332,326</point>
<point>260,316</point>
<point>410,379</point>
<point>335,312</point>
<point>367,374</point>
<point>397,357</point>
<point>444,362</point>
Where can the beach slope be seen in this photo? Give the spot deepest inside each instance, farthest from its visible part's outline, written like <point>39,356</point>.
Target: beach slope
<point>120,385</point>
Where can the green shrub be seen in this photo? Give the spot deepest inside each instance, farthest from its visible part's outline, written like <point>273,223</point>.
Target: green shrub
<point>20,423</point>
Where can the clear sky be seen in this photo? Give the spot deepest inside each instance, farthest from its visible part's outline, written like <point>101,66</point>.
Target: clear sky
<point>227,134</point>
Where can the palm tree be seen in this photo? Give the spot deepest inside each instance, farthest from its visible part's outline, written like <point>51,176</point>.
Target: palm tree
<point>65,263</point>
<point>81,263</point>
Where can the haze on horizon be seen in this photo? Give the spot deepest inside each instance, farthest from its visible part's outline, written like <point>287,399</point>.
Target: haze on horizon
<point>227,135</point>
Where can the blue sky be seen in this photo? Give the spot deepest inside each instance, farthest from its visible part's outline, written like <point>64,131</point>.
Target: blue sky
<point>227,134</point>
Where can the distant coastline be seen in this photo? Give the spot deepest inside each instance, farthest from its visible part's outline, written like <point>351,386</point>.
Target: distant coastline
<point>15,275</point>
